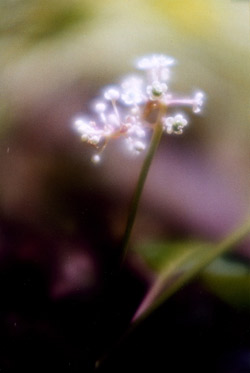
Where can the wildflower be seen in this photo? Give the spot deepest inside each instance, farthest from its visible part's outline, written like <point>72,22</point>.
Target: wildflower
<point>156,90</point>
<point>154,61</point>
<point>111,94</point>
<point>132,91</point>
<point>198,102</point>
<point>96,158</point>
<point>174,124</point>
<point>126,111</point>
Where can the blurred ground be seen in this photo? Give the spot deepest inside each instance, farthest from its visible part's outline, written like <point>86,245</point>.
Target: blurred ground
<point>61,217</point>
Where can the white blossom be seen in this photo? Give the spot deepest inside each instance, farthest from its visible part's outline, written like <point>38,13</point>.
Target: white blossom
<point>156,90</point>
<point>156,66</point>
<point>198,102</point>
<point>135,146</point>
<point>174,124</point>
<point>132,91</point>
<point>96,158</point>
<point>111,94</point>
<point>154,61</point>
<point>100,107</point>
<point>127,109</point>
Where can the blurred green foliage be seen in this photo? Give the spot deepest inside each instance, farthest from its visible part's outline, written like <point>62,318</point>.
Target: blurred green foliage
<point>40,19</point>
<point>226,278</point>
<point>230,281</point>
<point>159,255</point>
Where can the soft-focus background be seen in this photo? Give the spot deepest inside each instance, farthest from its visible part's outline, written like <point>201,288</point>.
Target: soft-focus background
<point>61,217</point>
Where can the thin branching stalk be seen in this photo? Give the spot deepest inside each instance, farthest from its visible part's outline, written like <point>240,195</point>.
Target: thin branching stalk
<point>157,134</point>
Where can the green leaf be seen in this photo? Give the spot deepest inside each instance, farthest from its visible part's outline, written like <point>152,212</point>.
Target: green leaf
<point>170,260</point>
<point>159,255</point>
<point>230,281</point>
<point>182,266</point>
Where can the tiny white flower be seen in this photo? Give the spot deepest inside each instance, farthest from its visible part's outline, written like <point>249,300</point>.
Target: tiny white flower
<point>139,146</point>
<point>131,97</point>
<point>111,94</point>
<point>144,98</point>
<point>95,140</point>
<point>174,124</point>
<point>100,107</point>
<point>135,110</point>
<point>137,130</point>
<point>198,102</point>
<point>80,124</point>
<point>96,158</point>
<point>132,93</point>
<point>132,81</point>
<point>154,61</point>
<point>135,146</point>
<point>156,90</point>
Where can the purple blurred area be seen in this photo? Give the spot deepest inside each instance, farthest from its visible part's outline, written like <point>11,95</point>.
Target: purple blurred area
<point>64,300</point>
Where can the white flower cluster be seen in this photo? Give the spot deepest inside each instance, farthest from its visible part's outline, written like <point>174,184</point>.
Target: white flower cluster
<point>128,111</point>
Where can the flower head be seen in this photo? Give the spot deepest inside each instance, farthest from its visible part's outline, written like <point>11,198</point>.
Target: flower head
<point>111,94</point>
<point>174,124</point>
<point>156,90</point>
<point>126,111</point>
<point>154,61</point>
<point>132,91</point>
<point>198,102</point>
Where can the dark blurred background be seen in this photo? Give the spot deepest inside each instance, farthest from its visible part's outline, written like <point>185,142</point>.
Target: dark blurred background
<point>63,300</point>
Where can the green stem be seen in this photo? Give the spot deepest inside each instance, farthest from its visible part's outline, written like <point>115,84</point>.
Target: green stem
<point>221,248</point>
<point>139,187</point>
